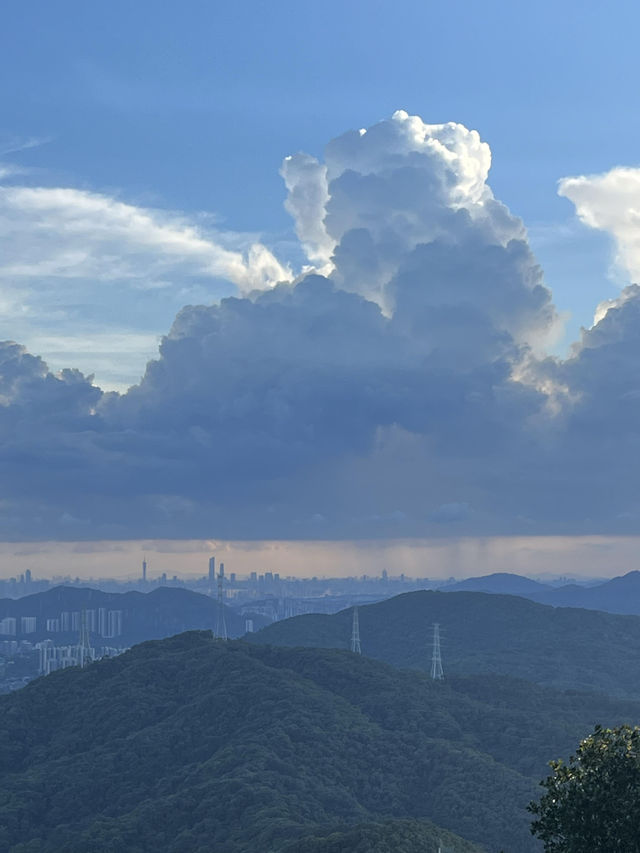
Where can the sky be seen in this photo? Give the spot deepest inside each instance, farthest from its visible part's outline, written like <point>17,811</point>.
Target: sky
<point>353,336</point>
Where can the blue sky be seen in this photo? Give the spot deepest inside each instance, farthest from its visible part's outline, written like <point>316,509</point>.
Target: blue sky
<point>419,384</point>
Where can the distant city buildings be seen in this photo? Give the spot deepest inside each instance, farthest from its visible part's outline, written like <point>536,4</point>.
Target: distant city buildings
<point>52,657</point>
<point>106,623</point>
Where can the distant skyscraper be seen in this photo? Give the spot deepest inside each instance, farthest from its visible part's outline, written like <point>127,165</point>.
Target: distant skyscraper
<point>103,622</point>
<point>8,625</point>
<point>212,570</point>
<point>114,623</point>
<point>85,652</point>
<point>28,624</point>
<point>221,623</point>
<point>27,576</point>
<point>144,570</point>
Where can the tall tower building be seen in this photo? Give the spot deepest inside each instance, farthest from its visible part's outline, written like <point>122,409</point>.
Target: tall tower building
<point>221,622</point>
<point>212,570</point>
<point>144,570</point>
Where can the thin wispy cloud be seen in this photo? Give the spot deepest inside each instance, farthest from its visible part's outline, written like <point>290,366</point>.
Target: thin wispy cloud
<point>72,260</point>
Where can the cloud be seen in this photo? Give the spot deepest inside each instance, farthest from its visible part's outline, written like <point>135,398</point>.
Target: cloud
<point>405,206</point>
<point>72,258</point>
<point>78,234</point>
<point>385,394</point>
<point>610,202</point>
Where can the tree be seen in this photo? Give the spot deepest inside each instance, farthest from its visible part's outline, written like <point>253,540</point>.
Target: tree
<point>592,804</point>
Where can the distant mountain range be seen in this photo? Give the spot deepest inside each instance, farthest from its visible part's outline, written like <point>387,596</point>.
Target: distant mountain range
<point>484,633</point>
<point>502,583</point>
<point>191,744</point>
<point>619,595</point>
<point>143,616</point>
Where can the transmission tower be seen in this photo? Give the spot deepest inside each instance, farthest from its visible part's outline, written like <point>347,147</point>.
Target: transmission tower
<point>221,624</point>
<point>85,652</point>
<point>436,659</point>
<point>355,633</point>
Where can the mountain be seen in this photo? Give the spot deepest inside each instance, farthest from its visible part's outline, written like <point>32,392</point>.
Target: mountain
<point>189,745</point>
<point>500,582</point>
<point>619,595</point>
<point>484,633</point>
<point>143,616</point>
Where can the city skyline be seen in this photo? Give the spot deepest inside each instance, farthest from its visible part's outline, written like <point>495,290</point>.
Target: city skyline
<point>595,556</point>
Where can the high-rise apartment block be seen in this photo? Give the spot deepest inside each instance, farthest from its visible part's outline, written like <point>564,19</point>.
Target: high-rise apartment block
<point>8,626</point>
<point>28,624</point>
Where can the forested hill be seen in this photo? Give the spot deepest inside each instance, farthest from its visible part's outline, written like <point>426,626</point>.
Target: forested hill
<point>190,745</point>
<point>480,633</point>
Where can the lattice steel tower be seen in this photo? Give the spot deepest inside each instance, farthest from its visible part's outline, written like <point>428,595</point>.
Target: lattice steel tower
<point>85,652</point>
<point>221,624</point>
<point>355,633</point>
<point>436,659</point>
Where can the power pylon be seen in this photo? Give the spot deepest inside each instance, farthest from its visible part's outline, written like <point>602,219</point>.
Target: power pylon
<point>85,652</point>
<point>436,659</point>
<point>355,633</point>
<point>221,624</point>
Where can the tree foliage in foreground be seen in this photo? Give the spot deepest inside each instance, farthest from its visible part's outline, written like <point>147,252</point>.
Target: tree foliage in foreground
<point>592,804</point>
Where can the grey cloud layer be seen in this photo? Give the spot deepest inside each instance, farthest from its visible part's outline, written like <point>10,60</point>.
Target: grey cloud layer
<point>397,390</point>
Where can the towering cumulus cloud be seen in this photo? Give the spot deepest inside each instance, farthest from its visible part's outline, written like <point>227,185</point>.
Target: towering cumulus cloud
<point>368,214</point>
<point>397,387</point>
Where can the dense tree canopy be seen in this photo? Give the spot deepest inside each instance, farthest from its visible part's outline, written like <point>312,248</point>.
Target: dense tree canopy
<point>592,804</point>
<point>189,745</point>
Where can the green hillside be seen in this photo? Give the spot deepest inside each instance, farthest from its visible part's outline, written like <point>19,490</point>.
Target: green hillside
<point>190,745</point>
<point>485,633</point>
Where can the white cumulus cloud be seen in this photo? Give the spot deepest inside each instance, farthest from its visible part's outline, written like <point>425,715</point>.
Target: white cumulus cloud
<point>610,202</point>
<point>382,192</point>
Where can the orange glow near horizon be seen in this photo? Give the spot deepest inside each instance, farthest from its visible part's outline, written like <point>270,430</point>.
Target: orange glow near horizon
<point>590,556</point>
